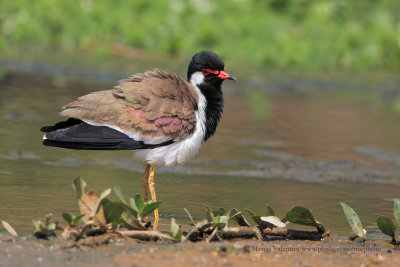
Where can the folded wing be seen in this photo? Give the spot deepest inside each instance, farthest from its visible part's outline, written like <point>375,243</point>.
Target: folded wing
<point>144,111</point>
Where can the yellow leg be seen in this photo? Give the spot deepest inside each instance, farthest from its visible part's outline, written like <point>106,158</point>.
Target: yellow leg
<point>152,188</point>
<point>144,182</point>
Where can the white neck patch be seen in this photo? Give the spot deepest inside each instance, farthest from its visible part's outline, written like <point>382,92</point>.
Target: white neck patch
<point>197,78</point>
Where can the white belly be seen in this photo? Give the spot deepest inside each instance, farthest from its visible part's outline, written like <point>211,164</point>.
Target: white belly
<point>174,154</point>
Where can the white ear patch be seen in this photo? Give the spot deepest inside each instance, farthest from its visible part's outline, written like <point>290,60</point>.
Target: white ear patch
<point>197,78</point>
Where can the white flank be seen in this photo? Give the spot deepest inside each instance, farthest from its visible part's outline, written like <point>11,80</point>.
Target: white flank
<point>44,137</point>
<point>180,152</point>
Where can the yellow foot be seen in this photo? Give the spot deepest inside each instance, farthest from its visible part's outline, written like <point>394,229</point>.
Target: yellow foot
<point>152,188</point>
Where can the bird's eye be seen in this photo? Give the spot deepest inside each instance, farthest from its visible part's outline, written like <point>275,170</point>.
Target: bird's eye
<point>205,72</point>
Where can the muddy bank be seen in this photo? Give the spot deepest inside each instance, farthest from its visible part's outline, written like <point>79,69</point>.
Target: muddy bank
<point>127,252</point>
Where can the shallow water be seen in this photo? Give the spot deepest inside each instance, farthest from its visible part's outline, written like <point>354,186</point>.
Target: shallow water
<point>284,149</point>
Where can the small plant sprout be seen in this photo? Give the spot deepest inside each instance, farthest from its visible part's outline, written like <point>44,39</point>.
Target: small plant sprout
<point>387,227</point>
<point>220,217</point>
<point>177,234</point>
<point>354,221</point>
<point>72,219</point>
<point>46,229</point>
<point>131,215</point>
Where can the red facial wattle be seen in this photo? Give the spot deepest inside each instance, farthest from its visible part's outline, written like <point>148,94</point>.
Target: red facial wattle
<point>220,74</point>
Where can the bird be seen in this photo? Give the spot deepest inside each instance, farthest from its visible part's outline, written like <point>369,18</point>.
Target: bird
<point>160,115</point>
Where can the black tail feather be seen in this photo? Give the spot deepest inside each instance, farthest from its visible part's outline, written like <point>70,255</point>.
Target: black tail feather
<point>88,137</point>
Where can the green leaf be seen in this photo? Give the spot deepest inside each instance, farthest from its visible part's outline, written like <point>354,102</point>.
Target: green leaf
<point>178,236</point>
<point>148,208</point>
<point>396,211</point>
<point>270,211</point>
<point>79,186</point>
<point>222,211</point>
<point>299,215</point>
<point>118,192</point>
<point>9,228</point>
<point>250,212</point>
<point>224,219</point>
<point>168,235</point>
<point>354,220</point>
<point>254,216</point>
<point>174,227</point>
<point>113,211</point>
<point>215,213</point>
<point>76,219</point>
<point>133,205</point>
<point>219,225</point>
<point>139,201</point>
<point>68,217</point>
<point>386,226</point>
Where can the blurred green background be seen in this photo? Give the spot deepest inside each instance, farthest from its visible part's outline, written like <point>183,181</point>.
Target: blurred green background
<point>283,34</point>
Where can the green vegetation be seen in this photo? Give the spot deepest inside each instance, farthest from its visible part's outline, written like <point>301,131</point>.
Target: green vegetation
<point>111,220</point>
<point>304,34</point>
<point>101,216</point>
<point>384,223</point>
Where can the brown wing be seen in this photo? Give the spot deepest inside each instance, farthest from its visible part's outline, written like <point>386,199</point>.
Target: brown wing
<point>156,105</point>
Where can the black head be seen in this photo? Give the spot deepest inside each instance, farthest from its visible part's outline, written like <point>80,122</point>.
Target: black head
<point>207,67</point>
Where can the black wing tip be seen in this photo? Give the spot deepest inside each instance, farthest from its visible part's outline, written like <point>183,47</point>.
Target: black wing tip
<point>82,146</point>
<point>84,136</point>
<point>47,129</point>
<point>61,125</point>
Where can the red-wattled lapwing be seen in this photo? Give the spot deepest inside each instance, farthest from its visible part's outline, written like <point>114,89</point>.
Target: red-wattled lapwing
<point>157,113</point>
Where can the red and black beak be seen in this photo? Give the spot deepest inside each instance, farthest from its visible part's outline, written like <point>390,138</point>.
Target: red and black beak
<point>224,75</point>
